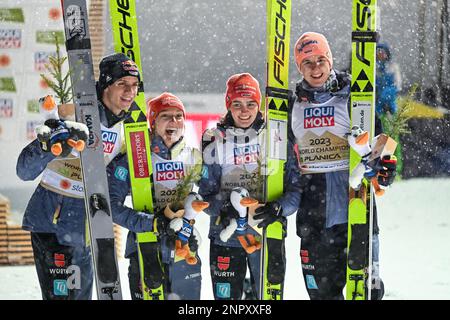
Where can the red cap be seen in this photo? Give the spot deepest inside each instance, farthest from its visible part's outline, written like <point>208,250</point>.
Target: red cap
<point>312,44</point>
<point>242,85</point>
<point>164,101</point>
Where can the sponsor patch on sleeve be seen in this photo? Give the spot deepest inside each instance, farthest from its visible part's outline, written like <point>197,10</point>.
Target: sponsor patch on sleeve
<point>121,173</point>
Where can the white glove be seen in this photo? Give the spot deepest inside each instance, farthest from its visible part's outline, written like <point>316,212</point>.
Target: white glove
<point>226,233</point>
<point>176,224</point>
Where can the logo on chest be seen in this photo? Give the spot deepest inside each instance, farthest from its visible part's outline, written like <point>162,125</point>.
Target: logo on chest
<point>318,117</point>
<point>109,141</point>
<point>169,171</point>
<point>246,154</point>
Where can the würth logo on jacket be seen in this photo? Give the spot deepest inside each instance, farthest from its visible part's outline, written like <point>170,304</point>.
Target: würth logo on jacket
<point>169,171</point>
<point>317,117</point>
<point>247,154</point>
<point>223,263</point>
<point>60,260</point>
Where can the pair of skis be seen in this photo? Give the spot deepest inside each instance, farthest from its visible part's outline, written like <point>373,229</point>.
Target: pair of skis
<point>276,115</point>
<point>360,213</point>
<point>360,209</point>
<point>98,210</point>
<point>126,40</point>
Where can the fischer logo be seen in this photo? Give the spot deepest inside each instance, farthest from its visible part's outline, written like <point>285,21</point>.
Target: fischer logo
<point>125,30</point>
<point>169,171</point>
<point>364,23</point>
<point>140,162</point>
<point>109,141</point>
<point>247,154</point>
<point>280,44</point>
<point>319,117</point>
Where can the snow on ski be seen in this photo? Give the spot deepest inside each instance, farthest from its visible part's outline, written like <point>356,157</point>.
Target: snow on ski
<point>276,115</point>
<point>126,40</point>
<point>360,211</point>
<point>98,209</point>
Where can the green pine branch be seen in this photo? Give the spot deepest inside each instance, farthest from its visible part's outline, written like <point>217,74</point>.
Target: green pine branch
<point>397,124</point>
<point>59,83</point>
<point>184,187</point>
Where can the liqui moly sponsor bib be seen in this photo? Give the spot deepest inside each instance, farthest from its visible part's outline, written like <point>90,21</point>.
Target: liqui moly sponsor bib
<point>246,154</point>
<point>173,170</point>
<point>320,131</point>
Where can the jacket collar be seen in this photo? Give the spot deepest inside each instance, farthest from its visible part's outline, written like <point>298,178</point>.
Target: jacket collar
<point>159,147</point>
<point>109,119</point>
<point>338,84</point>
<point>227,124</point>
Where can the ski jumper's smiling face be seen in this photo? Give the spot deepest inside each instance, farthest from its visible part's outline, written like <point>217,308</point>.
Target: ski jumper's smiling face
<point>244,111</point>
<point>313,58</point>
<point>169,125</point>
<point>242,99</point>
<point>120,95</point>
<point>315,70</point>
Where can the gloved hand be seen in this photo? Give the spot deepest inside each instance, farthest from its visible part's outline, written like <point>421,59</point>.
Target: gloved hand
<point>227,213</point>
<point>160,224</point>
<point>60,137</point>
<point>53,135</point>
<point>269,213</point>
<point>78,134</point>
<point>195,240</point>
<point>387,170</point>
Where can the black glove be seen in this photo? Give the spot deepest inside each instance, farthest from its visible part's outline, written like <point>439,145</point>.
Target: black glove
<point>193,243</point>
<point>77,131</point>
<point>387,170</point>
<point>227,213</point>
<point>269,213</point>
<point>58,134</point>
<point>160,224</point>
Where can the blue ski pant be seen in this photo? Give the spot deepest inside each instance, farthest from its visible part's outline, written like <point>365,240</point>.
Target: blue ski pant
<point>64,272</point>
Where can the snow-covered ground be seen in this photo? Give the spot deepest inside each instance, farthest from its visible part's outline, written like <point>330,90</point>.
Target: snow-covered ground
<point>414,219</point>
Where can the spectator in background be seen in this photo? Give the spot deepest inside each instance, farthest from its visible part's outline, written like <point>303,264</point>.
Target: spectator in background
<point>386,84</point>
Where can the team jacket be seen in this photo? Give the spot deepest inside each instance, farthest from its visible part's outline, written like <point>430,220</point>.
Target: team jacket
<point>319,120</point>
<point>230,159</point>
<point>57,205</point>
<point>169,166</point>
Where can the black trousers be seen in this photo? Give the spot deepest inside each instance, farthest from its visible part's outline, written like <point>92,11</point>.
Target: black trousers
<point>64,272</point>
<point>324,258</point>
<point>182,281</point>
<point>323,250</point>
<point>228,268</point>
<point>134,278</point>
